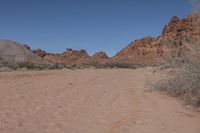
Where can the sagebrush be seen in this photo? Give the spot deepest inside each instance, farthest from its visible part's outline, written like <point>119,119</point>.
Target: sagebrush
<point>185,82</point>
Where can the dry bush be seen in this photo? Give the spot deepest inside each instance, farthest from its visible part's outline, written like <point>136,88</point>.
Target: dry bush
<point>185,83</point>
<point>28,66</point>
<point>113,65</point>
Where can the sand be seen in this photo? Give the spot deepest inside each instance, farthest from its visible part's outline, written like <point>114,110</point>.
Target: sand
<point>90,101</point>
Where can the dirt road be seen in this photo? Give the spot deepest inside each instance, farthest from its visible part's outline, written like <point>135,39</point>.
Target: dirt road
<point>90,101</point>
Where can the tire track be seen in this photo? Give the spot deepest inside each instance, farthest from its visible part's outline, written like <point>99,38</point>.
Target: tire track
<point>131,119</point>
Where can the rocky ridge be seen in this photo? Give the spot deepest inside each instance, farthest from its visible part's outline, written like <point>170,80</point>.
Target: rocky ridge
<point>179,33</point>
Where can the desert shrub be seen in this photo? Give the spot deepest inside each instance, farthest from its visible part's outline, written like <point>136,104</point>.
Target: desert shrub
<point>185,82</point>
<point>7,65</point>
<point>52,66</point>
<point>36,66</point>
<point>112,65</point>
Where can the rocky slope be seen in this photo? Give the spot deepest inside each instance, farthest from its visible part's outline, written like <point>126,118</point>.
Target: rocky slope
<point>13,52</point>
<point>178,33</point>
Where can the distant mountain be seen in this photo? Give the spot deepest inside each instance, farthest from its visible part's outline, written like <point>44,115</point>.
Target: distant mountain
<point>13,52</point>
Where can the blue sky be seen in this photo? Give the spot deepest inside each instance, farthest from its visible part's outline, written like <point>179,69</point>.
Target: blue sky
<point>94,25</point>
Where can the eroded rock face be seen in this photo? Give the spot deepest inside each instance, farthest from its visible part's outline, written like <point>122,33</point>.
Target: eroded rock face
<point>147,51</point>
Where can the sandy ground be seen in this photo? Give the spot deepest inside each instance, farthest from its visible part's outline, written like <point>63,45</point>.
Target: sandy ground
<point>90,101</point>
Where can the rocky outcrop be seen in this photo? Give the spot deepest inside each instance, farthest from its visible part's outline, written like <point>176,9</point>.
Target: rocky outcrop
<point>12,52</point>
<point>40,52</point>
<point>55,58</point>
<point>138,52</point>
<point>177,34</point>
<point>26,46</point>
<point>76,56</point>
<point>69,57</point>
<point>181,34</point>
<point>100,56</point>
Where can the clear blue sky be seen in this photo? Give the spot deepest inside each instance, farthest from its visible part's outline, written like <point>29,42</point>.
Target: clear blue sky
<point>94,25</point>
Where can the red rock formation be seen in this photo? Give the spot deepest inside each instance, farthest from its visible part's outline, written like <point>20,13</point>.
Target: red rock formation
<point>178,33</point>
<point>76,56</point>
<point>55,58</point>
<point>70,53</point>
<point>100,55</point>
<point>138,52</point>
<point>100,58</point>
<point>69,57</point>
<point>39,52</point>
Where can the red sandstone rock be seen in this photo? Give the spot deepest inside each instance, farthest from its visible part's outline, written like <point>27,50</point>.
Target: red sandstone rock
<point>178,33</point>
<point>146,51</point>
<point>39,52</point>
<point>100,56</point>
